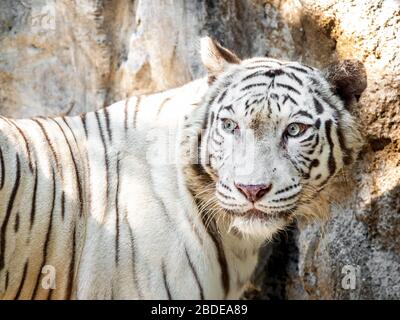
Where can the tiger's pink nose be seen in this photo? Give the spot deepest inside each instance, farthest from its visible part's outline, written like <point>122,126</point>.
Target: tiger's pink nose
<point>253,192</point>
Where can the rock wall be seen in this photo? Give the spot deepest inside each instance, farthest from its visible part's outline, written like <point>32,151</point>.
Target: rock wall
<point>67,57</point>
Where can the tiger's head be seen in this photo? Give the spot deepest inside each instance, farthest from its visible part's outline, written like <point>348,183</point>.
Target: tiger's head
<point>271,134</point>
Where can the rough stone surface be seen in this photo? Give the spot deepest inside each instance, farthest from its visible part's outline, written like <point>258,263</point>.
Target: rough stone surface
<point>67,57</point>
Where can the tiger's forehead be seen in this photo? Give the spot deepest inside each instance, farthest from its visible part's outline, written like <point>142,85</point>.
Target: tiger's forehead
<point>272,87</point>
<point>248,87</point>
<point>266,73</point>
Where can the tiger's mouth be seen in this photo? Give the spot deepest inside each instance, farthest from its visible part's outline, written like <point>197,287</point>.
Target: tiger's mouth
<point>255,213</point>
<point>266,216</point>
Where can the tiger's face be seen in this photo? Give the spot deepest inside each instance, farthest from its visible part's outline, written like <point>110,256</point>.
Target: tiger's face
<point>276,133</point>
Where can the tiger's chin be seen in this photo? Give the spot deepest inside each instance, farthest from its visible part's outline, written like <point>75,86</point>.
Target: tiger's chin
<point>258,224</point>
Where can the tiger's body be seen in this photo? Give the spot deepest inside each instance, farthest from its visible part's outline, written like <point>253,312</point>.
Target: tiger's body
<point>106,200</point>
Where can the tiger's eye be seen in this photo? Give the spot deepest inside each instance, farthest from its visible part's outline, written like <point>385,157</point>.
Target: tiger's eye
<point>296,129</point>
<point>229,125</point>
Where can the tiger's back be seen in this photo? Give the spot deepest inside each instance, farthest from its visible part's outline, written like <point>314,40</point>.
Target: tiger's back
<point>42,207</point>
<point>64,185</point>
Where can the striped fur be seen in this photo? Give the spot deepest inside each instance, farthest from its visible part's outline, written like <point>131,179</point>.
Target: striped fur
<point>121,206</point>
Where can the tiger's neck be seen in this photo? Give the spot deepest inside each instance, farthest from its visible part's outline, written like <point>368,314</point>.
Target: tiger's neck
<point>237,254</point>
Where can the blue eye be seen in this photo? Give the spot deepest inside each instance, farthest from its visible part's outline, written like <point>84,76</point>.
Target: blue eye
<point>296,129</point>
<point>229,125</point>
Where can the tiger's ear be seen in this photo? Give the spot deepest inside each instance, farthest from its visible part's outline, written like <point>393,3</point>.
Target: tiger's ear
<point>216,58</point>
<point>348,79</point>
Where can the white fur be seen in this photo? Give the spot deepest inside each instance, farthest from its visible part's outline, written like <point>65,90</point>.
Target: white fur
<point>146,200</point>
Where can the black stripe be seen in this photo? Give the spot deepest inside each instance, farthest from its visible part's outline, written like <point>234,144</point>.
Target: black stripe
<point>117,226</point>
<point>47,238</point>
<point>78,180</point>
<point>165,281</point>
<point>77,146</point>
<point>108,128</point>
<point>8,213</point>
<point>71,273</point>
<point>28,150</point>
<point>331,160</point>
<point>196,277</point>
<point>225,187</point>
<point>214,235</point>
<point>62,205</point>
<point>134,274</point>
<point>105,156</point>
<point>21,284</point>
<point>282,207</point>
<point>162,106</point>
<point>50,144</point>
<point>50,226</point>
<point>253,75</point>
<point>222,96</point>
<point>7,278</point>
<point>300,69</point>
<point>212,99</point>
<point>286,198</point>
<point>274,72</point>
<point>301,162</point>
<point>48,234</point>
<point>136,110</point>
<point>303,113</point>
<point>305,158</point>
<point>318,106</point>
<point>225,196</point>
<point>253,85</point>
<point>126,114</point>
<point>295,166</point>
<point>274,96</point>
<point>308,139</point>
<point>83,118</point>
<point>216,141</point>
<point>212,116</point>
<point>315,81</point>
<point>218,133</point>
<point>248,104</point>
<point>289,97</point>
<point>228,108</point>
<point>292,76</point>
<point>16,223</point>
<point>287,188</point>
<point>314,163</point>
<point>324,99</point>
<point>316,142</point>
<point>3,171</point>
<point>70,130</point>
<point>33,206</point>
<point>288,87</point>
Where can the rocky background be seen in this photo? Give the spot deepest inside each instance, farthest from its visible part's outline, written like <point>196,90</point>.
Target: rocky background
<point>70,56</point>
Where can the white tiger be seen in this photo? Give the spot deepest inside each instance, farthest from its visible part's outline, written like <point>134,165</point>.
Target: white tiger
<point>118,203</point>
